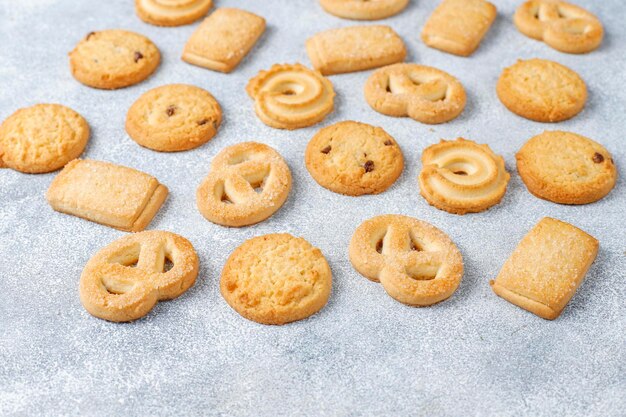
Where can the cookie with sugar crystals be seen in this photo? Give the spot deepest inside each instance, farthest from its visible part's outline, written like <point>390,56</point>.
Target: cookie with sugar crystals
<point>364,9</point>
<point>171,12</point>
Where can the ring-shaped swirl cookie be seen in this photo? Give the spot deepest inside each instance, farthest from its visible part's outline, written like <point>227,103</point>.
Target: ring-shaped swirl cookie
<point>364,9</point>
<point>171,12</point>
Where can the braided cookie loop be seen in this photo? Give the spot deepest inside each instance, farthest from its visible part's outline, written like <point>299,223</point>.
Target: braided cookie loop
<point>423,93</point>
<point>171,12</point>
<point>247,183</point>
<point>416,263</point>
<point>462,176</point>
<point>124,280</point>
<point>291,96</point>
<point>563,26</point>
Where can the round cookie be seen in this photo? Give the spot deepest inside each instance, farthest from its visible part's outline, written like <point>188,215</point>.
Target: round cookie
<point>112,59</point>
<point>173,117</point>
<point>42,138</point>
<point>171,12</point>
<point>566,168</point>
<point>364,9</point>
<point>542,90</point>
<point>276,279</point>
<point>354,158</point>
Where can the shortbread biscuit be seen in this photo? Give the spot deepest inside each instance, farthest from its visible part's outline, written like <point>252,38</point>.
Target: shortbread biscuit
<point>223,39</point>
<point>105,193</point>
<point>364,9</point>
<point>124,280</point>
<point>276,279</point>
<point>416,263</point>
<point>42,138</point>
<point>542,90</point>
<point>354,158</point>
<point>566,168</point>
<point>174,117</point>
<point>561,25</point>
<point>544,271</point>
<point>291,96</point>
<point>112,59</point>
<point>423,93</point>
<point>247,183</point>
<point>462,176</point>
<point>354,48</point>
<point>171,12</point>
<point>458,26</point>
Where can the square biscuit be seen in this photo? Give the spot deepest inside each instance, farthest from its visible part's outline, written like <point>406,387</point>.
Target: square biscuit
<point>105,193</point>
<point>544,271</point>
<point>355,48</point>
<point>223,39</point>
<point>458,26</point>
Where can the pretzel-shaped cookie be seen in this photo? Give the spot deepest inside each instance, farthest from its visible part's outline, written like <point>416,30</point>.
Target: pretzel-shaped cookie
<point>247,183</point>
<point>124,280</point>
<point>563,26</point>
<point>423,93</point>
<point>416,263</point>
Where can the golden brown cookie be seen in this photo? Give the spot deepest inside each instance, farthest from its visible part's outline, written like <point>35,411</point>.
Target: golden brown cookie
<point>247,183</point>
<point>112,59</point>
<point>542,90</point>
<point>42,138</point>
<point>364,9</point>
<point>416,263</point>
<point>354,158</point>
<point>462,176</point>
<point>124,280</point>
<point>276,279</point>
<point>544,271</point>
<point>566,168</point>
<point>171,12</point>
<point>423,93</point>
<point>291,96</point>
<point>561,25</point>
<point>174,117</point>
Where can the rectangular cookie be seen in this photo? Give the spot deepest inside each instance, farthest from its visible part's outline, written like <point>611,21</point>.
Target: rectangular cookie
<point>355,48</point>
<point>544,271</point>
<point>458,26</point>
<point>223,39</point>
<point>105,193</point>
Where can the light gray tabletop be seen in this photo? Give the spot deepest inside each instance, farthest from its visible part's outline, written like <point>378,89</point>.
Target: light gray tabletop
<point>364,353</point>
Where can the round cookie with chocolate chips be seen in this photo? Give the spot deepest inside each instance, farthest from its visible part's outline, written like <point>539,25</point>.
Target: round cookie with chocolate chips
<point>566,168</point>
<point>112,59</point>
<point>354,158</point>
<point>174,117</point>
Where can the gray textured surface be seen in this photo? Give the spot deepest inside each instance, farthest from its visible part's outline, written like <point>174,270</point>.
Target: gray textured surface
<point>364,354</point>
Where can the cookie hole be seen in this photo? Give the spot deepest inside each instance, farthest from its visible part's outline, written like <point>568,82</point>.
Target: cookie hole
<point>289,93</point>
<point>388,88</point>
<point>239,159</point>
<point>422,272</point>
<point>380,243</point>
<point>116,287</point>
<point>225,199</point>
<point>460,173</point>
<point>416,246</point>
<point>326,150</point>
<point>257,186</point>
<point>168,264</point>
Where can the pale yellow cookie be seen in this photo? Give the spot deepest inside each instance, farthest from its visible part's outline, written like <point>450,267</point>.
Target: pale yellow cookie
<point>247,183</point>
<point>544,271</point>
<point>354,48</point>
<point>416,263</point>
<point>171,12</point>
<point>276,279</point>
<point>124,280</point>
<point>291,96</point>
<point>42,138</point>
<point>364,9</point>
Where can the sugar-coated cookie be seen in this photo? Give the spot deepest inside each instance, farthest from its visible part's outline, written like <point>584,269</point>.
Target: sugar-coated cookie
<point>566,168</point>
<point>354,48</point>
<point>542,90</point>
<point>462,176</point>
<point>276,279</point>
<point>105,193</point>
<point>223,39</point>
<point>291,96</point>
<point>364,9</point>
<point>112,59</point>
<point>42,138</point>
<point>171,12</point>
<point>546,268</point>
<point>354,158</point>
<point>561,25</point>
<point>458,26</point>
<point>416,263</point>
<point>247,183</point>
<point>423,93</point>
<point>124,280</point>
<point>174,117</point>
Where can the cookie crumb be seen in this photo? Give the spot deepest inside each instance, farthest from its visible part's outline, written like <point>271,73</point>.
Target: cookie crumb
<point>326,150</point>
